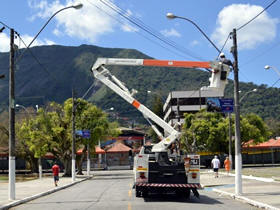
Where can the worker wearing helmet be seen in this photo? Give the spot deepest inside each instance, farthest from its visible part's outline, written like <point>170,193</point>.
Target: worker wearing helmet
<point>223,59</point>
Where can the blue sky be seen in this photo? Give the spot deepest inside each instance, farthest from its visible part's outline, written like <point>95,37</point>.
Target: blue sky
<point>98,24</point>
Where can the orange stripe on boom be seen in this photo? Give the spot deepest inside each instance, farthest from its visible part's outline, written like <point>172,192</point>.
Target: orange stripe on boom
<point>186,64</point>
<point>136,104</point>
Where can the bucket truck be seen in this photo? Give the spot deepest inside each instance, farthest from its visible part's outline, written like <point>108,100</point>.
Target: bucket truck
<point>161,168</point>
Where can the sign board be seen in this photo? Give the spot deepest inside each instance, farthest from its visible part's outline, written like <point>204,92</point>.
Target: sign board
<point>86,134</point>
<point>213,105</point>
<point>226,104</point>
<point>220,105</point>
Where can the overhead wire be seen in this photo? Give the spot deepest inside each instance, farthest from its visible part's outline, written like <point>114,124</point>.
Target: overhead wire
<point>151,40</point>
<point>147,29</point>
<point>37,60</point>
<point>256,15</point>
<point>245,24</point>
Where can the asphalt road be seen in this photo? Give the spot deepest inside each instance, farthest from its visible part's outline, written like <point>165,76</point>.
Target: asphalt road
<point>113,190</point>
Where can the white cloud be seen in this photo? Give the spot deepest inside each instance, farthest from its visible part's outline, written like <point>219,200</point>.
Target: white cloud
<point>170,32</point>
<point>262,29</point>
<point>4,42</point>
<point>27,39</point>
<point>87,23</point>
<point>129,28</point>
<point>194,43</point>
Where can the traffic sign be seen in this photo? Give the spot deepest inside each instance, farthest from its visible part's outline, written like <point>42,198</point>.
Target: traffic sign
<point>86,134</point>
<point>226,104</point>
<point>83,133</point>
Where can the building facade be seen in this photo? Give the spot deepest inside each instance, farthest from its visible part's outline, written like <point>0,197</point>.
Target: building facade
<point>180,102</point>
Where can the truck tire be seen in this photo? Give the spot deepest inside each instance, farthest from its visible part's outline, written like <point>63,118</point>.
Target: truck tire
<point>187,193</point>
<point>183,193</point>
<point>137,192</point>
<point>144,193</point>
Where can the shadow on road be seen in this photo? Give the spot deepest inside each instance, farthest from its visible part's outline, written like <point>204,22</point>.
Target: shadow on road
<point>203,199</point>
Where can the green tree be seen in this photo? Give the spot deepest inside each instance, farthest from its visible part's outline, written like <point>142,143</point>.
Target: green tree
<point>96,121</point>
<point>208,131</point>
<point>204,131</point>
<point>51,131</point>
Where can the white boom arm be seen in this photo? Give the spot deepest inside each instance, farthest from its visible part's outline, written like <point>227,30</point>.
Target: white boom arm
<point>103,74</point>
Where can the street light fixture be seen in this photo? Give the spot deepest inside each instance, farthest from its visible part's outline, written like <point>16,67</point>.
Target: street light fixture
<point>18,105</point>
<point>12,162</point>
<point>254,90</point>
<point>267,67</point>
<point>172,16</point>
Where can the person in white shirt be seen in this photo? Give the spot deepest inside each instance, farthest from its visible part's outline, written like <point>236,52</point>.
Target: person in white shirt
<point>216,165</point>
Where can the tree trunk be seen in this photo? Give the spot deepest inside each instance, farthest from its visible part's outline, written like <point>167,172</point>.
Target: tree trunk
<point>33,164</point>
<point>80,162</point>
<point>67,167</point>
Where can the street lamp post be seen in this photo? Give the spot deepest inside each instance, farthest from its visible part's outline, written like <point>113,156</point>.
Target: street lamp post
<point>172,16</point>
<point>254,90</point>
<point>39,159</point>
<point>12,164</point>
<point>238,163</point>
<point>238,156</point>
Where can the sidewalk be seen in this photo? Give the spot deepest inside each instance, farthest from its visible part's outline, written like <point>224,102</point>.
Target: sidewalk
<point>260,192</point>
<point>29,190</point>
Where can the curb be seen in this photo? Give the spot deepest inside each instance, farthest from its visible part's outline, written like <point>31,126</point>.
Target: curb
<point>27,199</point>
<point>247,200</point>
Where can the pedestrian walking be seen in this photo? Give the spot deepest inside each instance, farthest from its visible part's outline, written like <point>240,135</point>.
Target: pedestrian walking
<point>227,165</point>
<point>215,165</point>
<point>55,170</point>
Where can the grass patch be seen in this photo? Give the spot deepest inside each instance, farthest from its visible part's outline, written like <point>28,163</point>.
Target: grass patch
<point>19,177</point>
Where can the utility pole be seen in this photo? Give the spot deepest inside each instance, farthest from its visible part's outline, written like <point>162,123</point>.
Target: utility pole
<point>88,158</point>
<point>12,155</point>
<point>230,140</point>
<point>73,137</point>
<point>238,157</point>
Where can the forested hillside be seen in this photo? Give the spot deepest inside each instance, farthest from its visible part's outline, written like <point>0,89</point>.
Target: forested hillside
<point>58,69</point>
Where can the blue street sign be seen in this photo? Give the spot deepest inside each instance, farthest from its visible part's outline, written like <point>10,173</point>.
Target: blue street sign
<point>83,133</point>
<point>86,133</point>
<point>226,104</point>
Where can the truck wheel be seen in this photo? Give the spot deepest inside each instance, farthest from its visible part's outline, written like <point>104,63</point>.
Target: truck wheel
<point>137,192</point>
<point>144,194</point>
<point>187,193</point>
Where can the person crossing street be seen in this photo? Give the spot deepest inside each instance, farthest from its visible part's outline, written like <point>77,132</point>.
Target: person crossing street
<point>216,165</point>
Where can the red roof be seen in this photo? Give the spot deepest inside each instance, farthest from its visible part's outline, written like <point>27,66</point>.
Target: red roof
<point>268,144</point>
<point>118,148</point>
<point>98,150</point>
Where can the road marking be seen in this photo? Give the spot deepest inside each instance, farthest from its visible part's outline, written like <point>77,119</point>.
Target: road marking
<point>129,206</point>
<point>129,193</point>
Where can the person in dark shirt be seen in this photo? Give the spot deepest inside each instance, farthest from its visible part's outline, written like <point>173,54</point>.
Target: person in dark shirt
<point>55,170</point>
<point>224,60</point>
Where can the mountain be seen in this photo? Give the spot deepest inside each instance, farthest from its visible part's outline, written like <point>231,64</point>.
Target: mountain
<point>48,73</point>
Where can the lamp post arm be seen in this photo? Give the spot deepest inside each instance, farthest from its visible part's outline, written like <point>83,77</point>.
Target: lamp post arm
<point>245,95</point>
<point>276,70</point>
<point>47,24</point>
<point>199,30</point>
<point>75,7</point>
<point>18,105</point>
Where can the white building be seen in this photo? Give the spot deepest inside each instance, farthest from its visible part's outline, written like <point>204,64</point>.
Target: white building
<point>180,102</point>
